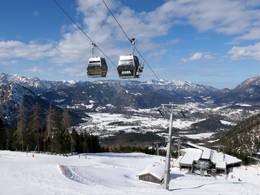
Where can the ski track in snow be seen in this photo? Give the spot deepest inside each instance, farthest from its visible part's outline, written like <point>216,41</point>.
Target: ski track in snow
<point>109,173</point>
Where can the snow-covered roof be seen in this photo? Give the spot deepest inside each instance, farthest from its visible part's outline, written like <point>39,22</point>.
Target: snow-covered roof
<point>190,155</point>
<point>221,165</point>
<point>206,154</point>
<point>220,159</point>
<point>156,169</point>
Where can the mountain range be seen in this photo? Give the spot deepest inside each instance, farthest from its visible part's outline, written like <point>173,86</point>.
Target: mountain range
<point>115,95</point>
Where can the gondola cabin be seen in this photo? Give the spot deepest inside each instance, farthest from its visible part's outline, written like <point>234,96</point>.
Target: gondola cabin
<point>129,67</point>
<point>97,67</point>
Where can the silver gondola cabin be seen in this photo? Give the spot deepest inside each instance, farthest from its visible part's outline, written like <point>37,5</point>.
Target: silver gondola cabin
<point>129,67</point>
<point>97,67</point>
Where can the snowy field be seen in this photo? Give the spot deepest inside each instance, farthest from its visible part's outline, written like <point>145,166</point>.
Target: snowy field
<point>106,124</point>
<point>109,173</point>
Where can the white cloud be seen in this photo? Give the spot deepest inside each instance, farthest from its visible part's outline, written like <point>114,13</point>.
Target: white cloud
<point>7,62</point>
<point>239,18</point>
<point>245,52</point>
<point>198,56</point>
<point>35,69</point>
<point>30,51</point>
<point>252,34</point>
<point>223,16</point>
<point>74,71</point>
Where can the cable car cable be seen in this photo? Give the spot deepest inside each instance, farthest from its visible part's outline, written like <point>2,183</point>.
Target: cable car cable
<point>129,39</point>
<point>145,61</point>
<point>121,27</point>
<point>81,30</point>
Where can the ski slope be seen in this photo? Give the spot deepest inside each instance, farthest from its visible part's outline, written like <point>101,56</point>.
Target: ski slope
<point>109,173</point>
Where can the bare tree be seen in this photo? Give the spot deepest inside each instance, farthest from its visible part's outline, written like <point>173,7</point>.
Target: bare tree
<point>49,124</point>
<point>36,124</point>
<point>65,119</point>
<point>20,130</point>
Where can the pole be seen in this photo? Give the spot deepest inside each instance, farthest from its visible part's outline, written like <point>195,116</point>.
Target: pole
<point>157,149</point>
<point>168,156</point>
<point>93,45</point>
<point>179,147</point>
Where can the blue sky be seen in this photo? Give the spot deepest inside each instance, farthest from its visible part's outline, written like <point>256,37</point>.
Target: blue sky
<point>209,42</point>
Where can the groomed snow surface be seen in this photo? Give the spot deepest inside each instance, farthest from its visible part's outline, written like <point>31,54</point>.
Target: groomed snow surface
<point>109,173</point>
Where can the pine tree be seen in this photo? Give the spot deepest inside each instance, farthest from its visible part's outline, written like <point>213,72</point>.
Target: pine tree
<point>75,141</point>
<point>57,138</point>
<point>3,136</point>
<point>65,128</point>
<point>65,119</point>
<point>34,128</point>
<point>48,133</point>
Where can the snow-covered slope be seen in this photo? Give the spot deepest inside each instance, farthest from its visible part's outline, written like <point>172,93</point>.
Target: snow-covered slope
<point>110,174</point>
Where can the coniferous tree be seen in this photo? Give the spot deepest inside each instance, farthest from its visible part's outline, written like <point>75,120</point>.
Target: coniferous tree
<point>65,119</point>
<point>49,123</point>
<point>57,140</point>
<point>65,126</point>
<point>21,128</point>
<point>34,128</point>
<point>65,129</point>
<point>48,133</point>
<point>3,136</point>
<point>75,141</point>
<point>37,124</point>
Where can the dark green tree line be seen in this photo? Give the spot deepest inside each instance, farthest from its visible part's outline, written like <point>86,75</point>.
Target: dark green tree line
<point>49,133</point>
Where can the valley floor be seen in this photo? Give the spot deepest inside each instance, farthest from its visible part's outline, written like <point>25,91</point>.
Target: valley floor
<point>109,173</point>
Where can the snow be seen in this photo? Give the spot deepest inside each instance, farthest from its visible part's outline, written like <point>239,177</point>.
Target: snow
<point>156,169</point>
<point>217,158</point>
<point>207,154</point>
<point>91,101</point>
<point>190,155</point>
<point>243,105</point>
<point>110,106</point>
<point>227,123</point>
<point>59,100</point>
<point>81,105</point>
<point>199,135</point>
<point>101,123</point>
<point>110,173</point>
<point>71,82</point>
<point>212,141</point>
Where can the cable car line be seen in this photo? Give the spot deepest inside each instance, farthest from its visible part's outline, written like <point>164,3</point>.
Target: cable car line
<point>132,67</point>
<point>130,39</point>
<point>121,27</point>
<point>145,61</point>
<point>82,31</point>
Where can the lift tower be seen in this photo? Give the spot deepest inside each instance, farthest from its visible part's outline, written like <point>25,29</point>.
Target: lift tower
<point>166,110</point>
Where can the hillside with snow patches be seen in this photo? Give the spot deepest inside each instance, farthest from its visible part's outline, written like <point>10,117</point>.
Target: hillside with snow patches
<point>111,107</point>
<point>111,173</point>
